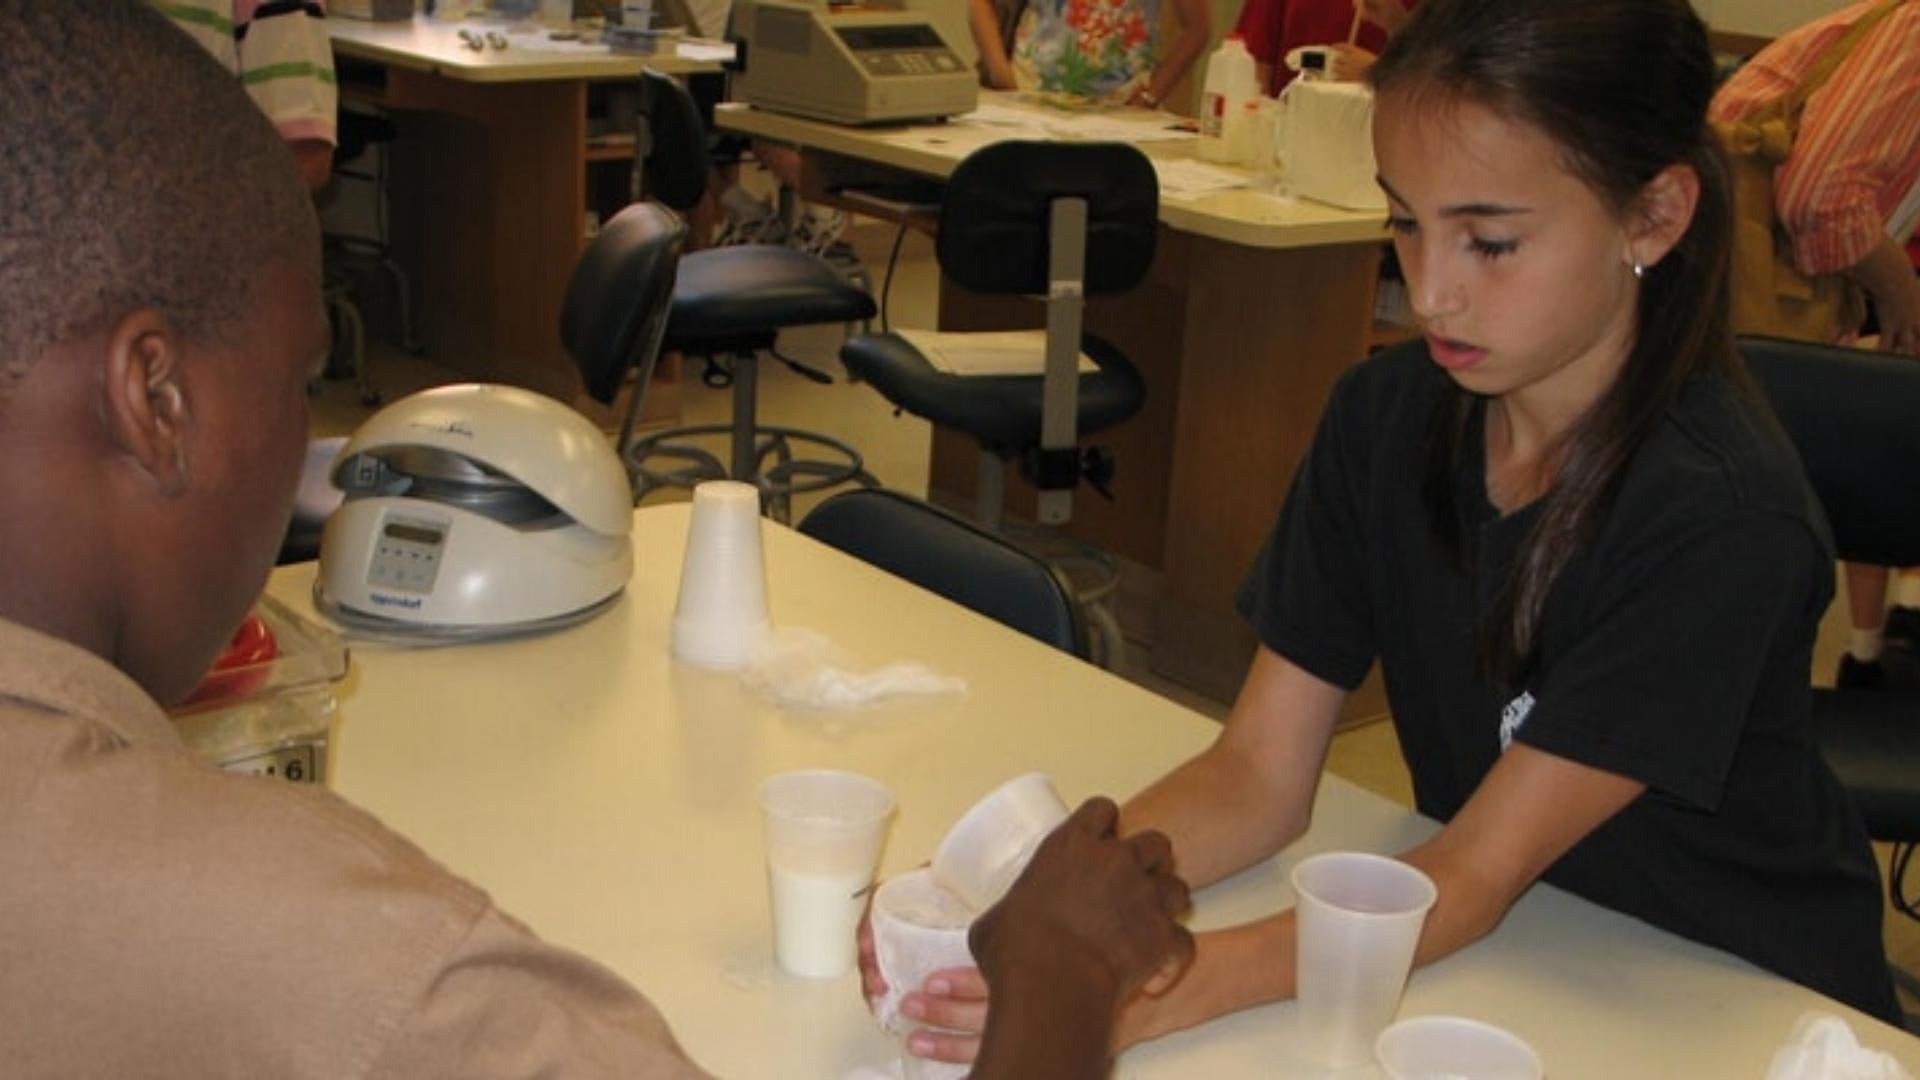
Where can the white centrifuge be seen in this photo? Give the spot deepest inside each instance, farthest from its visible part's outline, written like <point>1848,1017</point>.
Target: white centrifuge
<point>472,511</point>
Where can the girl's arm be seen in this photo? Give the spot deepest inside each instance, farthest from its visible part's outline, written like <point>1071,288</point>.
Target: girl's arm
<point>1237,802</point>
<point>1528,811</point>
<point>1251,792</point>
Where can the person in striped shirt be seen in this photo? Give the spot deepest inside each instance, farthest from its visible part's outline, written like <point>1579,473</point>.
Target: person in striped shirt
<point>1849,192</point>
<point>1848,195</point>
<point>280,52</point>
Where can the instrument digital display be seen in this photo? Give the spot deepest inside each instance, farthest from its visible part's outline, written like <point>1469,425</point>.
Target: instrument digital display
<point>400,530</point>
<point>407,557</point>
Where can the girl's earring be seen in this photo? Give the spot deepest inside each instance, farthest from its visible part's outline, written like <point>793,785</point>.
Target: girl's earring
<point>1639,269</point>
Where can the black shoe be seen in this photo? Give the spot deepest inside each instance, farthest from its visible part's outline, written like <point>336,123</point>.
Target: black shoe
<point>1859,674</point>
<point>1903,627</point>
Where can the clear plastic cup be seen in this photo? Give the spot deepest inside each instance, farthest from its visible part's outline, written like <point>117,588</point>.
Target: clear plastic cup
<point>824,831</point>
<point>1454,1048</point>
<point>1360,917</point>
<point>721,614</point>
<point>987,848</point>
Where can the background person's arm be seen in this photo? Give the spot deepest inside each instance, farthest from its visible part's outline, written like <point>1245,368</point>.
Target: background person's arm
<point>286,65</point>
<point>995,67</point>
<point>1388,15</point>
<point>1889,277</point>
<point>1196,29</point>
<point>1834,192</point>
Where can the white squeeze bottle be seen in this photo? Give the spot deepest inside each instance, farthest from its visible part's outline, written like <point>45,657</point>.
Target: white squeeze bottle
<point>1231,83</point>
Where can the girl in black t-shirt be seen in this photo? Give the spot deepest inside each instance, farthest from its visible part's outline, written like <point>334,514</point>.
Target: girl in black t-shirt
<point>1586,559</point>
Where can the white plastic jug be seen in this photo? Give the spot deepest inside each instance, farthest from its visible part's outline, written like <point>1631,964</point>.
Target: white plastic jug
<point>1232,81</point>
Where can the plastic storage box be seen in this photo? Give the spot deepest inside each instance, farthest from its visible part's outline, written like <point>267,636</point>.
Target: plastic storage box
<point>271,717</point>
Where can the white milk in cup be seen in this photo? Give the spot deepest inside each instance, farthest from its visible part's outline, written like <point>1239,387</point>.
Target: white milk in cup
<point>824,831</point>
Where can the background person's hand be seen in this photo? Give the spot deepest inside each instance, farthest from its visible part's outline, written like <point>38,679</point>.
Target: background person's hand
<point>1348,63</point>
<point>1899,313</point>
<point>1388,15</point>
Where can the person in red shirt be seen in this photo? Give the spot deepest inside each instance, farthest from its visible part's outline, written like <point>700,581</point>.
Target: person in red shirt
<point>1273,28</point>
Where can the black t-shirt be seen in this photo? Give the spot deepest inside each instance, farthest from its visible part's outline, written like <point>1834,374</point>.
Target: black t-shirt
<point>1674,649</point>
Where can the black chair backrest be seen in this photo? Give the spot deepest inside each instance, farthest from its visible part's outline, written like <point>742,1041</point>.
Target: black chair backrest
<point>620,295</point>
<point>1855,418</point>
<point>675,162</point>
<point>994,218</point>
<point>945,554</point>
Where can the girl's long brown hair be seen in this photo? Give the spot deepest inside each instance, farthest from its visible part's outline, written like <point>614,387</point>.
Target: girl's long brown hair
<point>1621,87</point>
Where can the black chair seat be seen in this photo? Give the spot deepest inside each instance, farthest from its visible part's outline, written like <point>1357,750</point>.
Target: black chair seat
<point>1871,740</point>
<point>313,502</point>
<point>355,131</point>
<point>999,410</point>
<point>754,291</point>
<point>950,556</point>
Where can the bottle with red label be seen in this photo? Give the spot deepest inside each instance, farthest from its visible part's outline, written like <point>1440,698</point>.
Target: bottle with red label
<point>1232,81</point>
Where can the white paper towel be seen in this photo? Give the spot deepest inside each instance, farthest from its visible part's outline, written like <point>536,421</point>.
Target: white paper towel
<point>799,668</point>
<point>1823,1047</point>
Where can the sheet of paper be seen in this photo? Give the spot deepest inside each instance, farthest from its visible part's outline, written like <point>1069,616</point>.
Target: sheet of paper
<point>1007,352</point>
<point>1079,125</point>
<point>538,41</point>
<point>701,49</point>
<point>1126,127</point>
<point>997,114</point>
<point>1185,176</point>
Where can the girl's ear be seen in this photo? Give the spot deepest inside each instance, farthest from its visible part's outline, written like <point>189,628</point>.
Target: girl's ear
<point>1661,215</point>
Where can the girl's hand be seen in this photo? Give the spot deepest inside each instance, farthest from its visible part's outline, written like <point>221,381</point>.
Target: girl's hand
<point>954,1005</point>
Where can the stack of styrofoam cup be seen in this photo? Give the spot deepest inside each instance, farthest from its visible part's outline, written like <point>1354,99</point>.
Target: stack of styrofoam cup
<point>721,616</point>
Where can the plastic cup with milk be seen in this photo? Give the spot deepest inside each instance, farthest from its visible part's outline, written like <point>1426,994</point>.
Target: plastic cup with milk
<point>824,831</point>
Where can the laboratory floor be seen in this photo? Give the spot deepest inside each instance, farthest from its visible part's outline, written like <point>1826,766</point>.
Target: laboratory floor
<point>897,449</point>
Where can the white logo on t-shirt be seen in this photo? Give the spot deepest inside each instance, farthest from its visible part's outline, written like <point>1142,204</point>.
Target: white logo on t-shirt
<point>1514,715</point>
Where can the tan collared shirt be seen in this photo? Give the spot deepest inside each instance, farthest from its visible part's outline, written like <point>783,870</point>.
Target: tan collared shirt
<point>161,918</point>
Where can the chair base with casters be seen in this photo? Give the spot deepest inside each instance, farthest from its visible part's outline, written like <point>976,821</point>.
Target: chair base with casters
<point>778,482</point>
<point>946,554</point>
